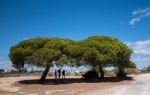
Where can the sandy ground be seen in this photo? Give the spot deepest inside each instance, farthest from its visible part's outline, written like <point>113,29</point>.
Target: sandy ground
<point>140,86</point>
<point>29,85</point>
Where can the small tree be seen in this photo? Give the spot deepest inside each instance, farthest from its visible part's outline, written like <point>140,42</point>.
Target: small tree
<point>17,58</point>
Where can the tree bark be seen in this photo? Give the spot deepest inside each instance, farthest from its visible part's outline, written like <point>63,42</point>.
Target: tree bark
<point>121,72</point>
<point>19,67</point>
<point>101,72</point>
<point>45,72</point>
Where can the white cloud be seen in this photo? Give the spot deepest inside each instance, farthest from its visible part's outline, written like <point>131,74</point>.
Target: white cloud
<point>128,43</point>
<point>134,20</point>
<point>140,59</point>
<point>139,14</point>
<point>147,14</point>
<point>4,63</point>
<point>140,47</point>
<point>1,58</point>
<point>141,53</point>
<point>140,11</point>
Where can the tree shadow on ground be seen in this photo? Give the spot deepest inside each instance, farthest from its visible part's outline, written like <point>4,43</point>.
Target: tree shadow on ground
<point>75,80</point>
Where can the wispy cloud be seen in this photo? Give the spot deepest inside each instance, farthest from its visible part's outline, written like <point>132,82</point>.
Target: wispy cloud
<point>135,20</point>
<point>140,47</point>
<point>25,38</point>
<point>139,14</point>
<point>141,11</point>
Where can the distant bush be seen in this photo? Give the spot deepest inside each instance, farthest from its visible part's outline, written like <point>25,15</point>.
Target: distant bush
<point>90,75</point>
<point>131,71</point>
<point>1,70</point>
<point>148,68</point>
<point>145,70</point>
<point>13,71</point>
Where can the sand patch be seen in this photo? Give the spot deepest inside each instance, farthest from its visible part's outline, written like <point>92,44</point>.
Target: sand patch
<point>32,94</point>
<point>6,85</point>
<point>53,91</point>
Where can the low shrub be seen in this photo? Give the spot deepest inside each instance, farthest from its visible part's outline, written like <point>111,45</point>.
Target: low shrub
<point>90,75</point>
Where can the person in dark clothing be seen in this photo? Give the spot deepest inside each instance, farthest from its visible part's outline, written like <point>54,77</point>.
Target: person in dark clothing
<point>63,74</point>
<point>55,74</point>
<point>59,73</point>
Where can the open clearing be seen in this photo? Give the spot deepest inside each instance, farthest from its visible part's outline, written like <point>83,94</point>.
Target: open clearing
<point>29,85</point>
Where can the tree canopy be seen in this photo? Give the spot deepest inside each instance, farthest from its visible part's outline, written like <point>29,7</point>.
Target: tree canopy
<point>94,50</point>
<point>38,51</point>
<point>105,51</point>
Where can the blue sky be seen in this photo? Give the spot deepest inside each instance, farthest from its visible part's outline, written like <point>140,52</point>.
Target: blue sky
<point>128,20</point>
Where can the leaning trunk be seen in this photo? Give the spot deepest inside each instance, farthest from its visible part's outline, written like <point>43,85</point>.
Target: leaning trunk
<point>45,72</point>
<point>101,72</point>
<point>19,67</point>
<point>19,70</point>
<point>121,72</point>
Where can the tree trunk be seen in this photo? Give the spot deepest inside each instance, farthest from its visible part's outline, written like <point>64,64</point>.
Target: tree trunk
<point>101,72</point>
<point>19,67</point>
<point>19,70</point>
<point>121,72</point>
<point>45,72</point>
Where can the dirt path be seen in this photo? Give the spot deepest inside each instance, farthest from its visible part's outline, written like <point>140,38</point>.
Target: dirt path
<point>140,86</point>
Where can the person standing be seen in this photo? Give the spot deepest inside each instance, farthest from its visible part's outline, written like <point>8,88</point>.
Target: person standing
<point>55,74</point>
<point>63,74</point>
<point>59,73</point>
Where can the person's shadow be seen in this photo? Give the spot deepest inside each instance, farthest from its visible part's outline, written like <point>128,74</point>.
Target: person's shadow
<point>74,80</point>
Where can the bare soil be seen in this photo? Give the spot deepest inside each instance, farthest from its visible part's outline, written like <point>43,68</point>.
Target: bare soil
<point>74,85</point>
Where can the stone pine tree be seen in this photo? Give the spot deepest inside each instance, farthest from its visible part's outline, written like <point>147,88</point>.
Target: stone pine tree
<point>123,61</point>
<point>39,51</point>
<point>44,57</point>
<point>101,51</point>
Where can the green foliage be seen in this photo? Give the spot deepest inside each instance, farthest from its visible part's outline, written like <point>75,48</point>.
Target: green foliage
<point>131,64</point>
<point>38,51</point>
<point>44,56</point>
<point>106,51</point>
<point>63,60</point>
<point>90,56</point>
<point>102,50</point>
<point>17,56</point>
<point>95,68</point>
<point>73,51</point>
<point>95,50</point>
